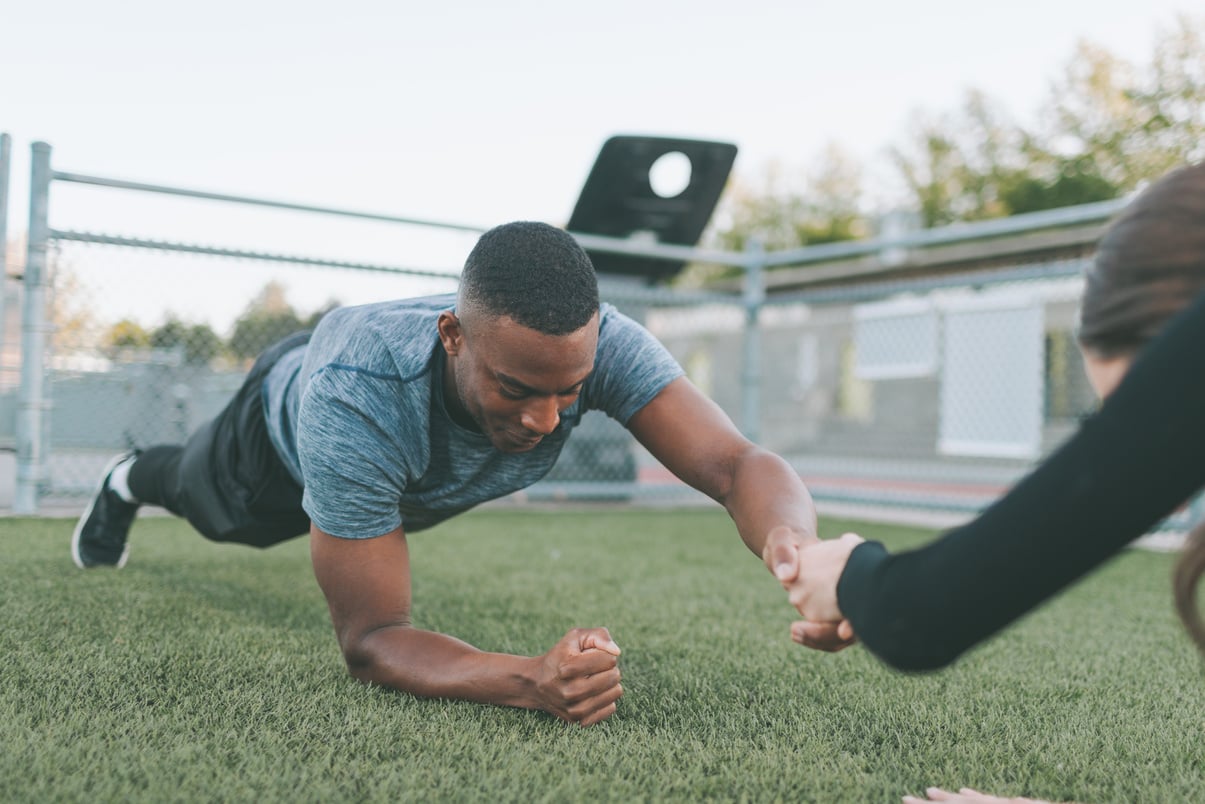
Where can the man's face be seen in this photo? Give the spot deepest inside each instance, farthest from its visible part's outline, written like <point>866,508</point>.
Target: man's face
<point>512,381</point>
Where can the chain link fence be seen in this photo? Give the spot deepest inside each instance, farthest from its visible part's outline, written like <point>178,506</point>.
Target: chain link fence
<point>144,345</point>
<point>905,393</point>
<point>935,392</point>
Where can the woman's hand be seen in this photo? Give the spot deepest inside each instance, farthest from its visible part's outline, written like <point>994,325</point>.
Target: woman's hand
<point>810,575</point>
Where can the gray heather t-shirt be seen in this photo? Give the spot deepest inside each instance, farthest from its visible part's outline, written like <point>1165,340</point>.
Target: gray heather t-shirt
<point>358,417</point>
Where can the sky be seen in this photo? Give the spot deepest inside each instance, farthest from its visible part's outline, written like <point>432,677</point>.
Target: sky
<point>483,112</point>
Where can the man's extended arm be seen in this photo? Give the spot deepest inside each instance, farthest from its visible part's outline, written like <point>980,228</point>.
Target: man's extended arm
<point>697,441</point>
<point>367,586</point>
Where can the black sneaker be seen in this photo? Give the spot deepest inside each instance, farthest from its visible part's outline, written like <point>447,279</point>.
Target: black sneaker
<point>100,535</point>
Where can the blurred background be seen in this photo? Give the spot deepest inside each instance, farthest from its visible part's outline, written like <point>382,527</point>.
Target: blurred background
<point>884,290</point>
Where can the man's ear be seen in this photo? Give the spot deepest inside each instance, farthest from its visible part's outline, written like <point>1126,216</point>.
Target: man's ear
<point>450,333</point>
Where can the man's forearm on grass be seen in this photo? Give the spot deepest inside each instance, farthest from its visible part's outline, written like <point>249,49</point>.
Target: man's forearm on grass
<point>433,665</point>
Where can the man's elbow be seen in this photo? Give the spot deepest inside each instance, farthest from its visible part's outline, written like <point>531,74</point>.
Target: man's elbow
<point>364,654</point>
<point>360,663</point>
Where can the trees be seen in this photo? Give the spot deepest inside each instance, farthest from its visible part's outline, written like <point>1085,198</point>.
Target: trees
<point>1106,127</point>
<point>266,319</point>
<point>822,205</point>
<point>962,165</point>
<point>1129,124</point>
<point>1176,89</point>
<point>127,334</point>
<point>834,206</point>
<point>69,308</point>
<point>200,344</point>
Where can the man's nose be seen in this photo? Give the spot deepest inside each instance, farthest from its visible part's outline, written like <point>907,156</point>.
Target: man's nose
<point>541,416</point>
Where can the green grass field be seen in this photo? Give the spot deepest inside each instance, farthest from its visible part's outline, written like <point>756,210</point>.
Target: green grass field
<point>205,672</point>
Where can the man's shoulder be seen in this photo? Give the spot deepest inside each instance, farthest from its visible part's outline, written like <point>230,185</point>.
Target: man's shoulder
<point>617,329</point>
<point>389,340</point>
<point>395,316</point>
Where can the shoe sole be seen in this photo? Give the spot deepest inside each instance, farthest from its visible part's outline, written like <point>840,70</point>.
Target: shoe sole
<point>79,526</point>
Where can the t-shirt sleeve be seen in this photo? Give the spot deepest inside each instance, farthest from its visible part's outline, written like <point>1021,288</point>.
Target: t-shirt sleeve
<point>353,456</point>
<point>631,368</point>
<point>1127,467</point>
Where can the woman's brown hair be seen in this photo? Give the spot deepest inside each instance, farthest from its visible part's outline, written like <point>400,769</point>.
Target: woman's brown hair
<point>1150,265</point>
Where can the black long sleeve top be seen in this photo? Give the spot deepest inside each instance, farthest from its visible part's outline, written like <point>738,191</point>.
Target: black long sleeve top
<point>1128,466</point>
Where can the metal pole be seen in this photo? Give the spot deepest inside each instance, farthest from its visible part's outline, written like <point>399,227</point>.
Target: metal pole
<point>6,150</point>
<point>260,202</point>
<point>33,336</point>
<point>6,153</point>
<point>754,297</point>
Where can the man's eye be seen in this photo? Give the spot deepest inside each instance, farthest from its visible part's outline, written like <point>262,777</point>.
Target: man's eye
<point>507,393</point>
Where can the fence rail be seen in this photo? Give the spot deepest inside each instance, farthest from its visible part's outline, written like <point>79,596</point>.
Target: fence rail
<point>241,254</point>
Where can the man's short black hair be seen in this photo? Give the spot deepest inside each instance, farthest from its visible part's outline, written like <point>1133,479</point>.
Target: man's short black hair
<point>533,273</point>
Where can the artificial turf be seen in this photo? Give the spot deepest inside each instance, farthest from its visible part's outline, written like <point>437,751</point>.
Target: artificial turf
<point>206,672</point>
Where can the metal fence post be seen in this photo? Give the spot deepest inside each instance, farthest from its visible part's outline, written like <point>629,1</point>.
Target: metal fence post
<point>6,155</point>
<point>33,336</point>
<point>893,228</point>
<point>6,150</point>
<point>754,297</point>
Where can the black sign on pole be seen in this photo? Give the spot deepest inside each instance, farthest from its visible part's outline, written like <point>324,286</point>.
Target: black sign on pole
<point>623,198</point>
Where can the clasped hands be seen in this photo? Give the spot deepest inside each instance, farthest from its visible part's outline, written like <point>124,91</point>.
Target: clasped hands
<point>809,573</point>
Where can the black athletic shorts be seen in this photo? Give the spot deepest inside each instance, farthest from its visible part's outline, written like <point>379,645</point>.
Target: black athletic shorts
<point>231,484</point>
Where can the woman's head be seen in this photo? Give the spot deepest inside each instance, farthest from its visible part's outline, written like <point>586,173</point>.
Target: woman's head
<point>1149,266</point>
